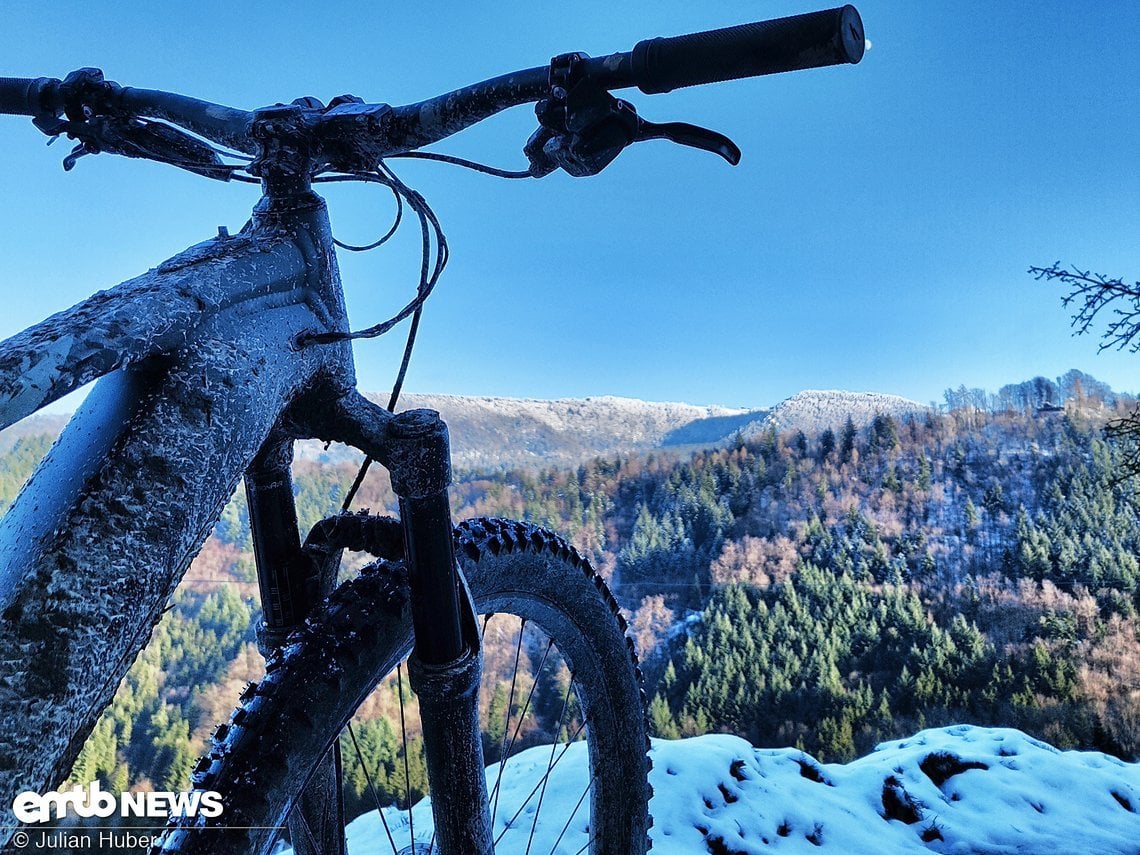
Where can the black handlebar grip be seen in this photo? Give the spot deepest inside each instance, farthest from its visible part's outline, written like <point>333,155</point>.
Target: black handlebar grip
<point>829,37</point>
<point>17,95</point>
<point>28,96</point>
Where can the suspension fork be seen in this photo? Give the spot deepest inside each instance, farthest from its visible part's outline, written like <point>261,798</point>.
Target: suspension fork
<point>446,662</point>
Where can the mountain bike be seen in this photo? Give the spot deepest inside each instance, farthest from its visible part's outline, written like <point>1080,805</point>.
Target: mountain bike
<point>214,363</point>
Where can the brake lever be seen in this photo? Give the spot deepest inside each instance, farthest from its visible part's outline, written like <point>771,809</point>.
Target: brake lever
<point>142,139</point>
<point>692,136</point>
<point>583,128</point>
<point>589,146</point>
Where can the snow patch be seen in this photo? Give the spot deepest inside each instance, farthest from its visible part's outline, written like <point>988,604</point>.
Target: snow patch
<point>960,789</point>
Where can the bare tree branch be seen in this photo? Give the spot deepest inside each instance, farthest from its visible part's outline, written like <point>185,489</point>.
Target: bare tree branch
<point>1089,293</point>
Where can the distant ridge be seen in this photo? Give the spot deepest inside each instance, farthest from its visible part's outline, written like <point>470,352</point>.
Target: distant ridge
<point>814,410</point>
<point>497,433</point>
<point>493,433</point>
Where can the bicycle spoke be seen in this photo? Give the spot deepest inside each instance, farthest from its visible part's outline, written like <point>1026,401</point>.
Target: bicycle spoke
<point>529,697</point>
<point>549,765</point>
<point>507,723</point>
<point>574,813</point>
<point>300,814</point>
<point>372,788</point>
<point>522,715</point>
<point>549,769</point>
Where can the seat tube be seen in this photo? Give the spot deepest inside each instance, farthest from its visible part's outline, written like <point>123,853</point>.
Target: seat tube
<point>446,664</point>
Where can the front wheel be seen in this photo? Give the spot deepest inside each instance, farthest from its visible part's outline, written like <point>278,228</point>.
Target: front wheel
<point>560,679</point>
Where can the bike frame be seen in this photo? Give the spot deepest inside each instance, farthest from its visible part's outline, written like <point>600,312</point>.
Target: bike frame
<point>206,381</point>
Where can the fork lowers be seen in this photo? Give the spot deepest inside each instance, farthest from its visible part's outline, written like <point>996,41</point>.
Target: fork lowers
<point>453,749</point>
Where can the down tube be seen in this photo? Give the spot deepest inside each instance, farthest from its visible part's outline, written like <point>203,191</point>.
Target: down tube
<point>83,597</point>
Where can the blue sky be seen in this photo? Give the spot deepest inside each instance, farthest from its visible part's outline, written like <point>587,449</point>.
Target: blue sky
<point>874,237</point>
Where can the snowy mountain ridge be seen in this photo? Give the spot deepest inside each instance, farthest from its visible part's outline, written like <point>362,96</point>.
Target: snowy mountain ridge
<point>494,433</point>
<point>815,410</point>
<point>489,432</point>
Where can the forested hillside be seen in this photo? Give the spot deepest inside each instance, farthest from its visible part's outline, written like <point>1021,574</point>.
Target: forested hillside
<point>829,589</point>
<point>856,585</point>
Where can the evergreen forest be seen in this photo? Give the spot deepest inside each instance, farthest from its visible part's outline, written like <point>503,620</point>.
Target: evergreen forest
<point>978,563</point>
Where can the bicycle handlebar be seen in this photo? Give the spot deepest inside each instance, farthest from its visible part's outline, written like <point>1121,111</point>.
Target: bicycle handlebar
<point>812,40</point>
<point>423,123</point>
<point>225,125</point>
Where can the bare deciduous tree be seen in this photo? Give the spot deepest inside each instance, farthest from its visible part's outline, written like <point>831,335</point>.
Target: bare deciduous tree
<point>1089,294</point>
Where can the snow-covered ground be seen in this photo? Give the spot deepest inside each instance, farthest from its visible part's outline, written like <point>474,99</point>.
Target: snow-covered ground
<point>959,789</point>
